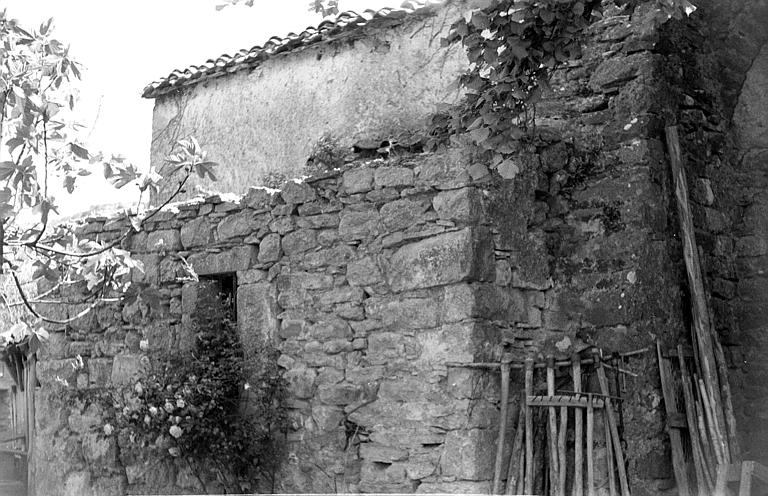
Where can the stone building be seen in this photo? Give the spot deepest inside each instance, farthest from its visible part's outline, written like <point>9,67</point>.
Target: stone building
<point>373,277</point>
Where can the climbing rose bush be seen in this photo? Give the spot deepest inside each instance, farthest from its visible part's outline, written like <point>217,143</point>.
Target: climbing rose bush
<point>209,408</point>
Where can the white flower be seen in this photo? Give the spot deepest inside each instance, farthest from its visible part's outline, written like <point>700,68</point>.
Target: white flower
<point>108,429</point>
<point>153,410</point>
<point>138,388</point>
<point>147,419</point>
<point>246,386</point>
<point>168,406</point>
<point>174,451</point>
<point>180,403</point>
<point>175,431</point>
<point>144,344</point>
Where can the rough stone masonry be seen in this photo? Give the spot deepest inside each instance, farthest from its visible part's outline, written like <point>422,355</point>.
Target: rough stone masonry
<point>370,278</point>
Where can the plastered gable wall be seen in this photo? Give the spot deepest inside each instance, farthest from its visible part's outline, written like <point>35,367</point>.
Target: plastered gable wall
<point>371,82</point>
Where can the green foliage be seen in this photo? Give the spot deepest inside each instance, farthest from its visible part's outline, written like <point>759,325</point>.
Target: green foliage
<point>513,47</point>
<point>209,408</point>
<point>40,142</point>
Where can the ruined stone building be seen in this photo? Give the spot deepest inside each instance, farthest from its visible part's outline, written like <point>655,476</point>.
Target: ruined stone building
<point>376,274</point>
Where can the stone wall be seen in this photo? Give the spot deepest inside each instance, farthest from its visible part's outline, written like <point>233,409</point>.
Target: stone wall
<point>371,278</point>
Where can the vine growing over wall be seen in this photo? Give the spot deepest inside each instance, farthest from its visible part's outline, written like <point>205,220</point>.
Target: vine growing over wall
<point>513,47</point>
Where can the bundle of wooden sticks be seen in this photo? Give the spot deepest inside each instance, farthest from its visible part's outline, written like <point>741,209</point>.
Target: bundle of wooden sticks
<point>526,467</point>
<point>547,467</point>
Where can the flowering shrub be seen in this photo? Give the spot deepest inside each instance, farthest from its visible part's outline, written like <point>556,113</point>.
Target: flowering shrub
<point>210,407</point>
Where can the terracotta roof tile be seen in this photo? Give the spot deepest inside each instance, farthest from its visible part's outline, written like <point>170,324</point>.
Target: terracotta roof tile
<point>345,22</point>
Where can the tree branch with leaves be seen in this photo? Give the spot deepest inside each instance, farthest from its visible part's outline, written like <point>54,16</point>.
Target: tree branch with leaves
<point>40,143</point>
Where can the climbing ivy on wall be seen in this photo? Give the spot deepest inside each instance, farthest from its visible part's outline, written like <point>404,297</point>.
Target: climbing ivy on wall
<point>513,47</point>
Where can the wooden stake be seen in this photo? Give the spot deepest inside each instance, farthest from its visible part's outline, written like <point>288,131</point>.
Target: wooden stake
<point>554,479</point>
<point>745,484</point>
<point>539,463</point>
<point>528,428</point>
<point>678,461</point>
<point>31,369</point>
<point>590,450</point>
<point>561,449</point>
<point>503,417</point>
<point>613,427</point>
<point>730,418</point>
<point>703,333</point>
<point>520,487</point>
<point>517,448</point>
<point>707,446</point>
<point>710,421</point>
<point>578,446</point>
<point>703,483</point>
<point>609,456</point>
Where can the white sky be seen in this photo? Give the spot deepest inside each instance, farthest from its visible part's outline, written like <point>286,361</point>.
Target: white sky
<point>125,44</point>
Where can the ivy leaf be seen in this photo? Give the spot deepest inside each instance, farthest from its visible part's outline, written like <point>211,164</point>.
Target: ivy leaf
<point>480,20</point>
<point>480,134</point>
<point>508,169</point>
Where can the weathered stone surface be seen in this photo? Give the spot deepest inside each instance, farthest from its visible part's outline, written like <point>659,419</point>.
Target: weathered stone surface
<point>462,342</point>
<point>332,328</point>
<point>318,221</point>
<point>301,381</point>
<point>393,176</point>
<point>125,368</point>
<point>461,205</point>
<point>299,241</point>
<point>260,198</point>
<point>49,370</point>
<point>270,249</point>
<point>617,70</point>
<point>77,483</point>
<point>256,315</point>
<point>457,487</point>
<point>341,294</point>
<point>232,260</point>
<point>358,224</point>
<point>240,224</point>
<point>364,272</point>
<point>339,394</point>
<point>400,214</point>
<point>165,240</point>
<point>452,257</point>
<point>358,180</point>
<point>108,486</point>
<point>404,312</point>
<point>466,456</point>
<point>100,452</point>
<point>295,192</point>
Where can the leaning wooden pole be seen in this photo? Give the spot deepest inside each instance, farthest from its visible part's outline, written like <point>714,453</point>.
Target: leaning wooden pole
<point>31,366</point>
<point>578,439</point>
<point>528,427</point>
<point>503,416</point>
<point>704,337</point>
